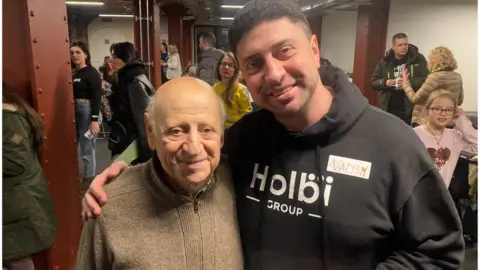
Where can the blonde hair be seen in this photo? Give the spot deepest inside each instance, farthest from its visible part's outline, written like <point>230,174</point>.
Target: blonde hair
<point>172,49</point>
<point>438,94</point>
<point>441,58</point>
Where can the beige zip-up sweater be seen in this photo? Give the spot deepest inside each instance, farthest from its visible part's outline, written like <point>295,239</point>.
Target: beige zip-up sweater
<point>446,80</point>
<point>146,226</point>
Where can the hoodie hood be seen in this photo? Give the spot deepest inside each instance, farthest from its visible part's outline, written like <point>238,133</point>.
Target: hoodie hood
<point>411,53</point>
<point>130,71</point>
<point>347,106</point>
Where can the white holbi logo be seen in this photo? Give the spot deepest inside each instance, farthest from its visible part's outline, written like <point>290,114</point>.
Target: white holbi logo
<point>279,186</point>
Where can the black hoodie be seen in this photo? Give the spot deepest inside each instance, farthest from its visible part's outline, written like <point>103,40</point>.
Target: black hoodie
<point>129,102</point>
<point>356,190</point>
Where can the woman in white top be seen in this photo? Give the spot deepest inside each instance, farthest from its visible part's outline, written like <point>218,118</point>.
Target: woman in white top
<point>174,66</point>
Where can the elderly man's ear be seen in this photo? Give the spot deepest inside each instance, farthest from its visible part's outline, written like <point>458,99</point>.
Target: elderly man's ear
<point>150,132</point>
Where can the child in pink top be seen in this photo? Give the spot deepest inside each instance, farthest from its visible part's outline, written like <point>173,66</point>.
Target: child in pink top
<point>444,145</point>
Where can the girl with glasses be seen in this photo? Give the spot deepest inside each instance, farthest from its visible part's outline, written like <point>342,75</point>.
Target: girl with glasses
<point>443,144</point>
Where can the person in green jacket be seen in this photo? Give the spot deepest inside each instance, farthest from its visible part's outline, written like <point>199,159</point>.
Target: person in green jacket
<point>388,73</point>
<point>29,223</point>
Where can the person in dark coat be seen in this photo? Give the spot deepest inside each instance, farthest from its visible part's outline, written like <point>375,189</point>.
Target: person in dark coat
<point>129,100</point>
<point>29,224</point>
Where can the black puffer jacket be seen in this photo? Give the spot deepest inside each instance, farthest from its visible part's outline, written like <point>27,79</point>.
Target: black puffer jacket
<point>129,102</point>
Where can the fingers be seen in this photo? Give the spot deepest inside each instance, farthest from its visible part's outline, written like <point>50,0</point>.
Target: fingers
<point>96,129</point>
<point>116,168</point>
<point>96,187</point>
<point>95,196</point>
<point>90,207</point>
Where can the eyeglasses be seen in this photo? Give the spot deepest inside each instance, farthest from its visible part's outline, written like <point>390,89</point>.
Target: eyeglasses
<point>437,110</point>
<point>227,65</point>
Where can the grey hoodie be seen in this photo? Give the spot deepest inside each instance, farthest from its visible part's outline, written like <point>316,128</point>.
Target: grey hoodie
<point>207,65</point>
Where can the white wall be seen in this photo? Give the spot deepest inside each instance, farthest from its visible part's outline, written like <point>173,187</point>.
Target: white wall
<point>432,25</point>
<point>339,30</point>
<point>118,30</point>
<point>428,25</point>
<point>102,34</point>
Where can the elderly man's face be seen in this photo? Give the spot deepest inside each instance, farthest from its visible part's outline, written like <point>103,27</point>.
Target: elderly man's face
<point>188,135</point>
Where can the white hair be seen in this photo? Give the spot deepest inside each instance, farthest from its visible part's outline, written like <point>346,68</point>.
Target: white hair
<point>152,105</point>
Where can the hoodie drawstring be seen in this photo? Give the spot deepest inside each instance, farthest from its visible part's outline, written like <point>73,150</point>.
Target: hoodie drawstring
<point>323,225</point>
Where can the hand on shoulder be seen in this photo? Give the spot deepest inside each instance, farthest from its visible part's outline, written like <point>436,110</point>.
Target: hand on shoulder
<point>95,197</point>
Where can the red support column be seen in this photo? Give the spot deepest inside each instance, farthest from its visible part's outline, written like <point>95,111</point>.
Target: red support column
<point>175,12</point>
<point>36,63</point>
<point>186,54</point>
<point>372,26</point>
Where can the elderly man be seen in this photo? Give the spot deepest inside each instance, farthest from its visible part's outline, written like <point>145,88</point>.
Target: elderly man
<point>315,187</point>
<point>176,211</point>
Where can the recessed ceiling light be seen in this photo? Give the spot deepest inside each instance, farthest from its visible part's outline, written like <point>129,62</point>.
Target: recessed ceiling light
<point>231,6</point>
<point>226,18</point>
<point>116,15</point>
<point>84,3</point>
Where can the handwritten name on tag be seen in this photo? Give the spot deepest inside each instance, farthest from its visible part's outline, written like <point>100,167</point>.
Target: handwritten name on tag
<point>349,166</point>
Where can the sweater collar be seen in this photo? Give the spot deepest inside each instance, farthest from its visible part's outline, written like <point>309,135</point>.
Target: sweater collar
<point>161,180</point>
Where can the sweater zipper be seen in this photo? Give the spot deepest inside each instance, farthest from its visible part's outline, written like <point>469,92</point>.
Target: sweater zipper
<point>195,200</point>
<point>199,193</point>
<point>195,205</point>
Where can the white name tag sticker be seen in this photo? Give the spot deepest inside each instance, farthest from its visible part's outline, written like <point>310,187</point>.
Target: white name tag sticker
<point>349,166</point>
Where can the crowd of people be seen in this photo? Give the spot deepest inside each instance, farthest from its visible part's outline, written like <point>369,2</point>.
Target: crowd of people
<point>258,158</point>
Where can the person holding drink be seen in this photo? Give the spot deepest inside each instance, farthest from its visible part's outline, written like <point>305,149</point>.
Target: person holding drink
<point>387,76</point>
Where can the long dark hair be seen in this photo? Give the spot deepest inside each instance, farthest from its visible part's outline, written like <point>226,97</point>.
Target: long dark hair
<point>84,48</point>
<point>9,96</point>
<point>166,46</point>
<point>233,82</point>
